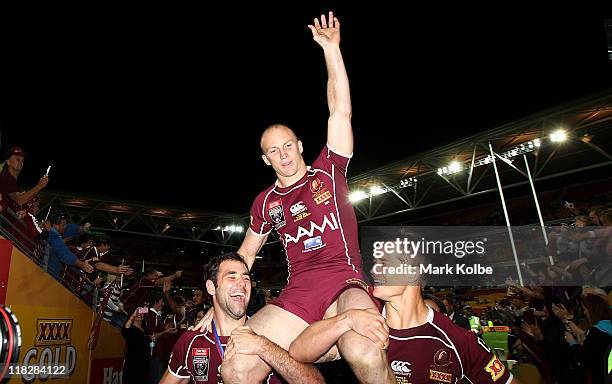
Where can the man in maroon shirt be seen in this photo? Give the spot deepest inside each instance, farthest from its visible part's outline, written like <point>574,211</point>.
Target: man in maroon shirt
<point>309,209</point>
<point>197,356</point>
<point>8,180</point>
<point>424,346</point>
<point>96,256</point>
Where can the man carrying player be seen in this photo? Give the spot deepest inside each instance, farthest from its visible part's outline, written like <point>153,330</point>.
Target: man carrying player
<point>310,210</point>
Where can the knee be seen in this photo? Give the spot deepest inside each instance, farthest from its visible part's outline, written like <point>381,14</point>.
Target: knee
<point>359,350</point>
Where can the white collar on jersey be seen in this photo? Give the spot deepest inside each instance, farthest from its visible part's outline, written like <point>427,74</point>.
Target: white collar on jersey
<point>430,313</point>
<point>278,185</point>
<point>155,311</point>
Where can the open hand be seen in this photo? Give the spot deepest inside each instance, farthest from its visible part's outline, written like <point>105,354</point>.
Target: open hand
<point>326,34</point>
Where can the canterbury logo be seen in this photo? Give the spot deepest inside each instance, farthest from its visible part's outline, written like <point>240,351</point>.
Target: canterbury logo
<point>400,367</point>
<point>53,332</point>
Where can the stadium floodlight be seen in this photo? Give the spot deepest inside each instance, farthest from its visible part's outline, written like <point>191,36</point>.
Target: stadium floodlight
<point>357,196</point>
<point>558,136</point>
<point>230,228</point>
<point>409,182</point>
<point>453,167</point>
<point>233,228</point>
<point>520,149</point>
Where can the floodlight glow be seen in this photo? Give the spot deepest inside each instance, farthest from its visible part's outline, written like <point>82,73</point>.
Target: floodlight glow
<point>230,228</point>
<point>558,136</point>
<point>377,190</point>
<point>357,196</point>
<point>409,182</point>
<point>454,167</point>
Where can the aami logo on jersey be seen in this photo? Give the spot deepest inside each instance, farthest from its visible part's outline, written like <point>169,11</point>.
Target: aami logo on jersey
<point>53,331</point>
<point>329,221</point>
<point>495,368</point>
<point>299,211</point>
<point>277,215</point>
<point>320,193</point>
<point>401,368</point>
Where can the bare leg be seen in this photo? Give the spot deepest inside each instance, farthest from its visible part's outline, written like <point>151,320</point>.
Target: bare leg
<point>368,362</point>
<point>276,324</point>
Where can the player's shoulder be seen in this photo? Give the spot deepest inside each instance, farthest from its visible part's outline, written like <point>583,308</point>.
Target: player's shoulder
<point>263,195</point>
<point>193,337</point>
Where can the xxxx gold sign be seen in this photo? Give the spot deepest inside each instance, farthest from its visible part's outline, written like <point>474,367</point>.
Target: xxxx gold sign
<point>53,331</point>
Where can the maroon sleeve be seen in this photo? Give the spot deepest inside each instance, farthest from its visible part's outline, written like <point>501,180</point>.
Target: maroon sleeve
<point>480,365</point>
<point>8,184</point>
<point>259,225</point>
<point>178,358</point>
<point>329,160</point>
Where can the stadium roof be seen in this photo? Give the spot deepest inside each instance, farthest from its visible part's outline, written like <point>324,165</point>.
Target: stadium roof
<point>570,138</point>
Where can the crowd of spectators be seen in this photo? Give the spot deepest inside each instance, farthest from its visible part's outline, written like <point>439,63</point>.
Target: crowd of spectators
<point>565,330</point>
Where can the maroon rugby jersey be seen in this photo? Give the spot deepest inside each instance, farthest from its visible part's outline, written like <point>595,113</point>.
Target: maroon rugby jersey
<point>314,219</point>
<point>93,257</point>
<point>195,356</point>
<point>137,293</point>
<point>441,352</point>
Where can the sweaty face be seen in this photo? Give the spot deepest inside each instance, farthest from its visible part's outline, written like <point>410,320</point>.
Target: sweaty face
<point>283,151</point>
<point>233,289</point>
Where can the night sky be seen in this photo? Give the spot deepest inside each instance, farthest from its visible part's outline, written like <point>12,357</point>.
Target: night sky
<point>167,105</point>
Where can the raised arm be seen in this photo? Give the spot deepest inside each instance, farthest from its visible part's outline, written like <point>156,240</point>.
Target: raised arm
<point>339,130</point>
<point>117,270</point>
<point>23,197</point>
<point>64,254</point>
<point>246,342</point>
<point>251,245</point>
<point>170,300</point>
<point>161,281</point>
